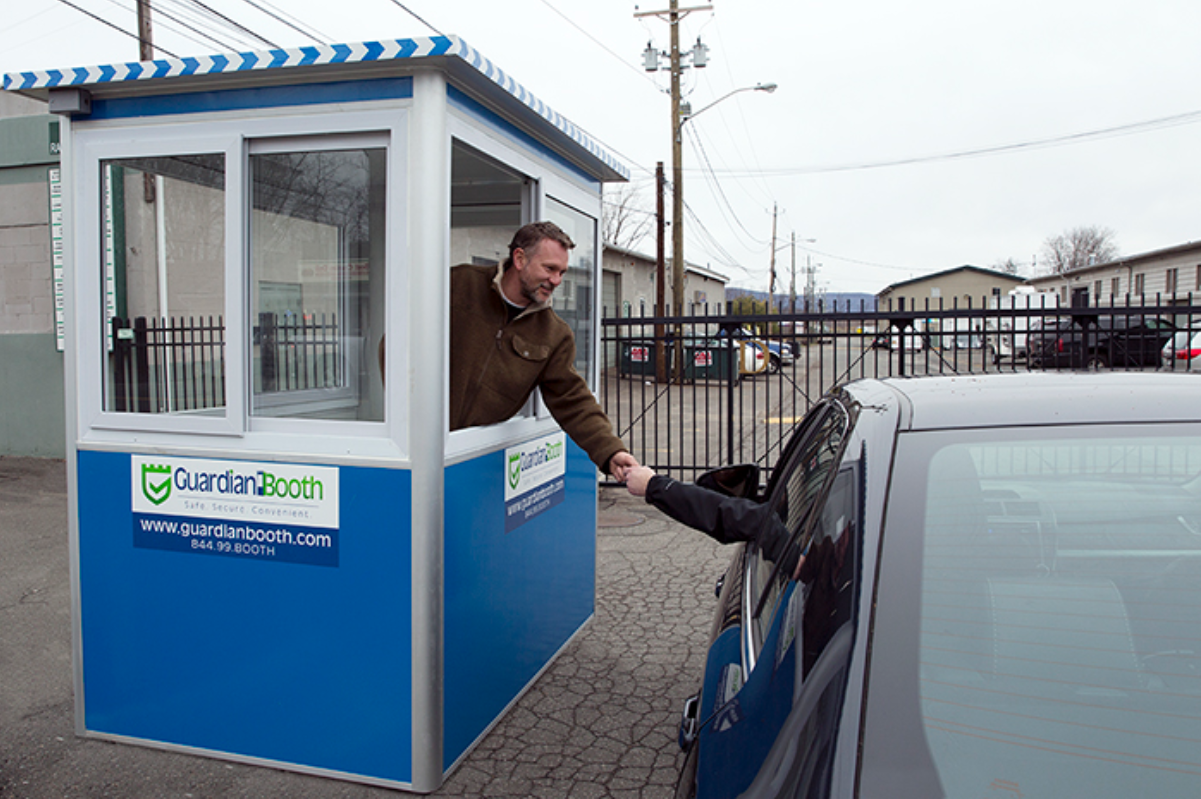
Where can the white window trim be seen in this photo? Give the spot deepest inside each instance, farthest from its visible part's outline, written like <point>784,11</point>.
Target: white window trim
<point>545,178</point>
<point>234,138</point>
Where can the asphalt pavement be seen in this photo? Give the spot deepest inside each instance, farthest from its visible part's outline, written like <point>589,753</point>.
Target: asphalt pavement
<point>600,723</point>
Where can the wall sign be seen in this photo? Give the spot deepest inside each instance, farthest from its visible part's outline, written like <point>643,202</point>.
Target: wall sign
<point>263,511</point>
<point>534,478</point>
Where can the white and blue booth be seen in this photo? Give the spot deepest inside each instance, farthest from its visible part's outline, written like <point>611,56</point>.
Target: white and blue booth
<point>280,555</point>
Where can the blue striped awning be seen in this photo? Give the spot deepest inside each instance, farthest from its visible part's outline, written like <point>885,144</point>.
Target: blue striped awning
<point>315,55</point>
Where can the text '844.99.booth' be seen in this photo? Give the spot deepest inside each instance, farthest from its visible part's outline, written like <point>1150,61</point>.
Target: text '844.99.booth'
<point>280,555</point>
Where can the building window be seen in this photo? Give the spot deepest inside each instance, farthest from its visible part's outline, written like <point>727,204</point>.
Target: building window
<point>1097,292</point>
<point>1197,282</point>
<point>1170,281</point>
<point>1138,284</point>
<point>1115,286</point>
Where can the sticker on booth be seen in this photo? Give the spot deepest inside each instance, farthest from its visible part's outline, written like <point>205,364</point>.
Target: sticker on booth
<point>259,511</point>
<point>534,478</point>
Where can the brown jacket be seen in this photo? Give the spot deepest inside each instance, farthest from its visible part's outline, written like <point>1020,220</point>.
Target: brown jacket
<point>495,364</point>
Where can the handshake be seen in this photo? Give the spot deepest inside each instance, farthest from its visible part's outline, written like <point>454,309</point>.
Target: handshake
<point>625,468</point>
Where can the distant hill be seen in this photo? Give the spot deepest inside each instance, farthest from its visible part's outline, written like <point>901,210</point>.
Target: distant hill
<point>832,300</point>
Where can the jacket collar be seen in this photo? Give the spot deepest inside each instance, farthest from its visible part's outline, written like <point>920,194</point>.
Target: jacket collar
<point>533,307</point>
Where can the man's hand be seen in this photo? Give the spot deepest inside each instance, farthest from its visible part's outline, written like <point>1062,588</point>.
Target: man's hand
<point>638,478</point>
<point>621,464</point>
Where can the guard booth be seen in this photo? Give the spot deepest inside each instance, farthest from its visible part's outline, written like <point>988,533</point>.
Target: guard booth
<point>280,554</point>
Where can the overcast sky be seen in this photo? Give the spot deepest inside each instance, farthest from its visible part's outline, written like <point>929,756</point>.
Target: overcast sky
<point>904,138</point>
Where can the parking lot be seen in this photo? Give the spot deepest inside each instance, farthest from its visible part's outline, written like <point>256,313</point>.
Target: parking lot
<point>599,723</point>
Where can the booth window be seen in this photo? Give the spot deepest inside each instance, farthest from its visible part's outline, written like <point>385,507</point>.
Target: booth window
<point>487,205</point>
<point>317,283</point>
<point>164,275</point>
<point>573,300</point>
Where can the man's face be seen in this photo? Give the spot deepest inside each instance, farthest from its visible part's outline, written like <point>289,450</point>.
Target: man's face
<point>541,269</point>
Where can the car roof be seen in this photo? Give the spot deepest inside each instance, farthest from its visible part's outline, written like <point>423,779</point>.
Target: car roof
<point>1024,399</point>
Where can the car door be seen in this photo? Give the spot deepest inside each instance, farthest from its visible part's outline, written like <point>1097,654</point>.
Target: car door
<point>787,686</point>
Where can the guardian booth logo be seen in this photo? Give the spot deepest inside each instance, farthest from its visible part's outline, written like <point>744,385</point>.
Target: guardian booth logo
<point>180,502</point>
<point>156,483</point>
<point>534,478</point>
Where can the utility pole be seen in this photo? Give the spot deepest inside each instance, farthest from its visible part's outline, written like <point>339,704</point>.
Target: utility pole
<point>146,53</point>
<point>771,287</point>
<point>145,37</point>
<point>792,283</point>
<point>699,57</point>
<point>660,277</point>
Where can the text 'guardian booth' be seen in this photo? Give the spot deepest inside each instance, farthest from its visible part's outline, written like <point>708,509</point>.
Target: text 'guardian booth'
<point>280,554</point>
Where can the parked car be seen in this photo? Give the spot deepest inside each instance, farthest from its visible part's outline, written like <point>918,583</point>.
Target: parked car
<point>913,338</point>
<point>999,597</point>
<point>778,352</point>
<point>1100,342</point>
<point>1182,348</point>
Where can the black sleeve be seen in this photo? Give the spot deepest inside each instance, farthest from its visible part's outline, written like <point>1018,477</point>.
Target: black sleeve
<point>725,519</point>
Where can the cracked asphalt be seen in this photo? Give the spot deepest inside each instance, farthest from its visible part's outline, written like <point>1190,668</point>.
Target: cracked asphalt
<point>600,723</point>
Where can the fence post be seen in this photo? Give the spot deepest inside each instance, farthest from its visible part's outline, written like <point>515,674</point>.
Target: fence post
<point>141,367</point>
<point>734,369</point>
<point>120,378</point>
<point>267,351</point>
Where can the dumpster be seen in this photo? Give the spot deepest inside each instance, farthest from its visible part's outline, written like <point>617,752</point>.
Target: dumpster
<point>279,557</point>
<point>711,360</point>
<point>638,358</point>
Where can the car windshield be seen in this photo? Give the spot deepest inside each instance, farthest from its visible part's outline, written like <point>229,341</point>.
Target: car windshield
<point>1058,645</point>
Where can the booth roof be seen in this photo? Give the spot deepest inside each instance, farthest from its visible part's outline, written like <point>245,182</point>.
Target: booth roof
<point>450,49</point>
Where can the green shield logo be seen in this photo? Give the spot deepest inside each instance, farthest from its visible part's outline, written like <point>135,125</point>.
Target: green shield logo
<point>156,483</point>
<point>514,470</point>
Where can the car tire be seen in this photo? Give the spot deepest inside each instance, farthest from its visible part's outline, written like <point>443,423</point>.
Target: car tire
<point>1096,363</point>
<point>773,366</point>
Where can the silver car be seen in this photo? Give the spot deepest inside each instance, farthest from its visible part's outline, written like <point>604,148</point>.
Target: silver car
<point>1000,596</point>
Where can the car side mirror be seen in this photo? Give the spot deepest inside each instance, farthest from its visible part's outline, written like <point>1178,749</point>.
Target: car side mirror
<point>741,480</point>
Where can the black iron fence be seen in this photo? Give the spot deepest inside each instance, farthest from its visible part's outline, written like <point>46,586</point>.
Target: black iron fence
<point>689,393</point>
<point>692,392</point>
<point>161,365</point>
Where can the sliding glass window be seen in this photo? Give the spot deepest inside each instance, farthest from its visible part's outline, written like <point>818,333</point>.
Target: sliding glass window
<point>163,251</point>
<point>317,250</point>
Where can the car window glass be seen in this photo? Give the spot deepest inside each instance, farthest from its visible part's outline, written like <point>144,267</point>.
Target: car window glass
<point>796,494</point>
<point>1059,607</point>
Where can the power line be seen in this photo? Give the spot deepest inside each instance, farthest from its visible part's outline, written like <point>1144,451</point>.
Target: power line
<point>600,44</point>
<point>312,31</point>
<point>115,27</point>
<point>281,19</point>
<point>712,180</point>
<point>1175,120</point>
<point>234,24</point>
<point>413,14</point>
<point>161,12</point>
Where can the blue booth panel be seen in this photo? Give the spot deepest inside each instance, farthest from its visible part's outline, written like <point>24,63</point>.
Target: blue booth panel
<point>294,646</point>
<point>520,571</point>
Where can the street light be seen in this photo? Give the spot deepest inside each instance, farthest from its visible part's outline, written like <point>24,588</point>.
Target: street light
<point>758,87</point>
<point>677,177</point>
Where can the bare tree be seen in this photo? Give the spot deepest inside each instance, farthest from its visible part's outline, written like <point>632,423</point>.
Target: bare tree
<point>1008,266</point>
<point>625,224</point>
<point>1079,247</point>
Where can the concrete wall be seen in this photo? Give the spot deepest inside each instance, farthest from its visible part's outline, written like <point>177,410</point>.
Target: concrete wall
<point>32,405</point>
<point>637,284</point>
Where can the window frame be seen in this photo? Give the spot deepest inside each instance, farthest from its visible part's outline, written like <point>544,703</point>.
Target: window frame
<point>757,624</point>
<point>235,139</point>
<point>341,141</point>
<point>546,179</point>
